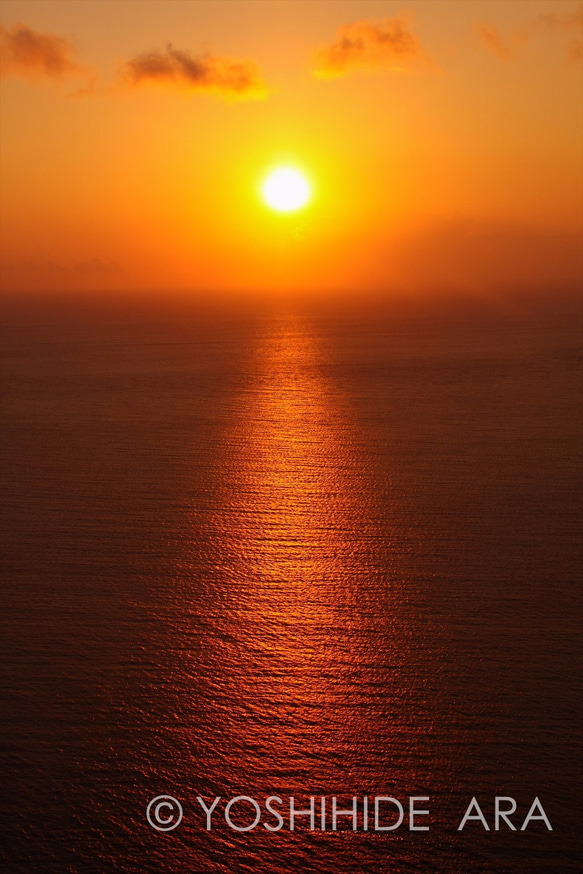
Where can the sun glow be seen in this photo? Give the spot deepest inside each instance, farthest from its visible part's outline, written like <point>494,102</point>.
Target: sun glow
<point>286,189</point>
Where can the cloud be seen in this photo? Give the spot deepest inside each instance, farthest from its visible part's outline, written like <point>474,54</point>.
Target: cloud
<point>567,22</point>
<point>367,45</point>
<point>33,265</point>
<point>495,42</point>
<point>89,269</point>
<point>505,47</point>
<point>87,90</point>
<point>575,50</point>
<point>96,267</point>
<point>484,254</point>
<point>26,53</point>
<point>223,76</point>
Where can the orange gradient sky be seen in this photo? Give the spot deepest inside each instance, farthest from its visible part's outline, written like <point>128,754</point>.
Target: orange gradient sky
<point>443,140</point>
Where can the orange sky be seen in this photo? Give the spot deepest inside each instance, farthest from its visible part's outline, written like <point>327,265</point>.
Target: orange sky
<point>444,141</point>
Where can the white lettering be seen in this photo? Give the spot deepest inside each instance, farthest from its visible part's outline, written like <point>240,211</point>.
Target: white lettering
<point>479,815</point>
<point>413,812</point>
<point>530,815</point>
<point>208,810</point>
<point>274,828</point>
<point>503,814</point>
<point>242,828</point>
<point>387,828</point>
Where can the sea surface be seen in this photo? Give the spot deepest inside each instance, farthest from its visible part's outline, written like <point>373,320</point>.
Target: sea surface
<point>290,549</point>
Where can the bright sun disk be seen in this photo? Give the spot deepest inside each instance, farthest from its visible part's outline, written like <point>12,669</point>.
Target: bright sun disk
<point>286,189</point>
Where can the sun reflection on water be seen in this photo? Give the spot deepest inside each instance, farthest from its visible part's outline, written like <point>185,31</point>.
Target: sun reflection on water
<point>295,527</point>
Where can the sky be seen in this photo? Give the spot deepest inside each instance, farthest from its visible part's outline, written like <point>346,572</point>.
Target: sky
<point>443,140</point>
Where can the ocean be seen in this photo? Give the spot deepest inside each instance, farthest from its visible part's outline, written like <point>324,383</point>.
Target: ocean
<point>289,549</point>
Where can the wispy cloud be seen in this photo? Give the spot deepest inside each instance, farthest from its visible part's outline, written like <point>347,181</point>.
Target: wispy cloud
<point>388,44</point>
<point>575,50</point>
<point>493,39</point>
<point>26,53</point>
<point>570,22</point>
<point>96,267</point>
<point>226,77</point>
<point>505,47</point>
<point>90,268</point>
<point>38,273</point>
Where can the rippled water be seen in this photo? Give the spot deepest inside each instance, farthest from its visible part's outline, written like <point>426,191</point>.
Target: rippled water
<point>289,551</point>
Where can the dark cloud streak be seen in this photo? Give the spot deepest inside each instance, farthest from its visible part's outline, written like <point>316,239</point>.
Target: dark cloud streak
<point>226,77</point>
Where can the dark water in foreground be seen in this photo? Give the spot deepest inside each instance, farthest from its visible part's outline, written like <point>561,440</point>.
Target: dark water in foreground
<point>290,552</point>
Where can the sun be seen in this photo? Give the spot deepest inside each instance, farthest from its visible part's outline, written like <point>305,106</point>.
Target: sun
<point>286,189</point>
